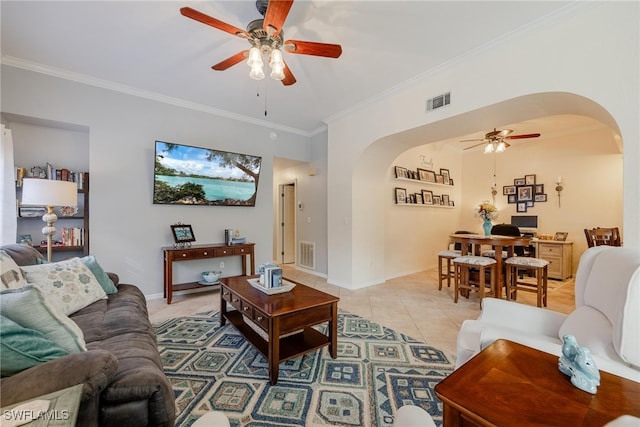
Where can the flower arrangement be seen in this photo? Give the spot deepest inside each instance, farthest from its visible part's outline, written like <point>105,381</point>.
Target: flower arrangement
<point>487,211</point>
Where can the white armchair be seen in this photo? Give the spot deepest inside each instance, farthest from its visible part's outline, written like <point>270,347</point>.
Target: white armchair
<point>606,319</point>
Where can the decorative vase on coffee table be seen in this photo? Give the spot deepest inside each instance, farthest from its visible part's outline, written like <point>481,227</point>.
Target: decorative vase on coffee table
<point>487,226</point>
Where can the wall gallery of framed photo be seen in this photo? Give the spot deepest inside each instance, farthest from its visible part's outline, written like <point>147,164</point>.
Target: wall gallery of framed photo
<point>411,195</point>
<point>524,192</point>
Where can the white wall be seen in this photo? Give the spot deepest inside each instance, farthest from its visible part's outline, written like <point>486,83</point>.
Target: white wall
<point>127,229</point>
<point>559,67</point>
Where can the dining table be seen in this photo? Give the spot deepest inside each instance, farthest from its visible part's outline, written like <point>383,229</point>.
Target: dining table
<point>498,243</point>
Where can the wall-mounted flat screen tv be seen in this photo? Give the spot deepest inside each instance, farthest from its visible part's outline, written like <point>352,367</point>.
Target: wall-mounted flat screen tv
<point>185,175</point>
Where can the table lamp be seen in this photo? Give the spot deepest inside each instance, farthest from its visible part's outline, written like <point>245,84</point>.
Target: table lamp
<point>49,193</point>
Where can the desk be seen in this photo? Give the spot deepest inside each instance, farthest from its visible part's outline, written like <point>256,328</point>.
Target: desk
<point>511,384</point>
<point>501,243</point>
<point>560,257</point>
<point>190,253</point>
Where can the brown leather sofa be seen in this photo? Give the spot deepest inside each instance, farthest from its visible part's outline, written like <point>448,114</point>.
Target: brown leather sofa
<point>124,384</point>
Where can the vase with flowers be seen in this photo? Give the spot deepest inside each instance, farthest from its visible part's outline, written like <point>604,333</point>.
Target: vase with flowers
<point>487,212</point>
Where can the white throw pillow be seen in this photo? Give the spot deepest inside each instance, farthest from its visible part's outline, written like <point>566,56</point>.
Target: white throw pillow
<point>68,285</point>
<point>11,276</point>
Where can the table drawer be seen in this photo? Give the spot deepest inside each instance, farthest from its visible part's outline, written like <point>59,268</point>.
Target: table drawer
<point>223,251</point>
<point>235,301</point>
<point>241,250</point>
<point>549,251</point>
<point>261,319</point>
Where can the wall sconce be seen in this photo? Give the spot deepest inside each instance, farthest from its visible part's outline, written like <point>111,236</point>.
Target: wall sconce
<point>559,188</point>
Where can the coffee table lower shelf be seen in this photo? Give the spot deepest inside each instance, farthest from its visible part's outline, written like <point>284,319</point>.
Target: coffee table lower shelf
<point>291,346</point>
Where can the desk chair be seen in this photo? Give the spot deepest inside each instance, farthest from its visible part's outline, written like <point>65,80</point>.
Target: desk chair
<point>603,236</point>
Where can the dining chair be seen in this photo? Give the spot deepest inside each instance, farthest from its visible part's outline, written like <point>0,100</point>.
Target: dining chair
<point>600,236</point>
<point>446,271</point>
<point>515,282</point>
<point>464,277</point>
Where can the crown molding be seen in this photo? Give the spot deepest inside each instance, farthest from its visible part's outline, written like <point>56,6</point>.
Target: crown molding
<point>24,64</point>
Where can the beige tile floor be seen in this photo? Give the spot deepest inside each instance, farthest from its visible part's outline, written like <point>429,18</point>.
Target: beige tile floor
<point>411,304</point>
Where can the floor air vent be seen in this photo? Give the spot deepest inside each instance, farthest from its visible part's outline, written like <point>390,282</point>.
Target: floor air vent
<point>438,101</point>
<point>307,255</point>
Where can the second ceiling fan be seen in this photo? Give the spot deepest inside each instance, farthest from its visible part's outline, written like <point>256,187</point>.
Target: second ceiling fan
<point>495,140</point>
<point>266,38</point>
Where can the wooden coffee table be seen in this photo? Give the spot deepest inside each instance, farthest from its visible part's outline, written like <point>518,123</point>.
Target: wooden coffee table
<point>286,319</point>
<point>510,384</point>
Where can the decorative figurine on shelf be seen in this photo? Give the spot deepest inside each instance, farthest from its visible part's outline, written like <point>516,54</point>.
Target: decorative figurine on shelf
<point>577,363</point>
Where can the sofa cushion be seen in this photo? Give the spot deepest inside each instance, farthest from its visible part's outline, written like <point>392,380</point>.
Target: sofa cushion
<point>69,285</point>
<point>12,276</point>
<point>23,254</point>
<point>103,278</point>
<point>22,348</point>
<point>28,307</point>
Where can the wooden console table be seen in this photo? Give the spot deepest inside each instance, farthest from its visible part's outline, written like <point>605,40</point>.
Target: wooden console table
<point>511,384</point>
<point>215,250</point>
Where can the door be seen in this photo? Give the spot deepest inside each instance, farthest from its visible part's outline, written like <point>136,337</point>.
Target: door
<point>288,223</point>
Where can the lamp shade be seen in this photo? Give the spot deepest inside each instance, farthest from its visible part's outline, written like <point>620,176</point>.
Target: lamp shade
<point>49,192</point>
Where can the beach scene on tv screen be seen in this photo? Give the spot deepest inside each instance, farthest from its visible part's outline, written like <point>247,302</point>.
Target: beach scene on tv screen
<point>200,176</point>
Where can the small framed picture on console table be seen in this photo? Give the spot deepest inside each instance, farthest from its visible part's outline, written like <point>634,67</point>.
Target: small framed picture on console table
<point>182,234</point>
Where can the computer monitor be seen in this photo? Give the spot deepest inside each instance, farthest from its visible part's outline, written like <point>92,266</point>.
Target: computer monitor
<point>526,222</point>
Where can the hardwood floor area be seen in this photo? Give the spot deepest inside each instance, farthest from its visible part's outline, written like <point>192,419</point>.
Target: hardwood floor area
<point>410,304</point>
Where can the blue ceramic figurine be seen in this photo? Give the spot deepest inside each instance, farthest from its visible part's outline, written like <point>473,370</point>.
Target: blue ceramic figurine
<point>577,363</point>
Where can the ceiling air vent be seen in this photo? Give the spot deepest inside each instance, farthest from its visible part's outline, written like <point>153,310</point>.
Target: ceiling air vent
<point>438,101</point>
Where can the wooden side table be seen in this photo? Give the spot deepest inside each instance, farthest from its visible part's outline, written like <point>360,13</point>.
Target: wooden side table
<point>560,257</point>
<point>511,384</point>
<point>194,252</point>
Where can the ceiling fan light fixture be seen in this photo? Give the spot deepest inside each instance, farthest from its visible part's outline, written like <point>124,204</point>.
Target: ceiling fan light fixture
<point>255,57</point>
<point>277,65</point>
<point>489,148</point>
<point>500,147</point>
<point>257,72</point>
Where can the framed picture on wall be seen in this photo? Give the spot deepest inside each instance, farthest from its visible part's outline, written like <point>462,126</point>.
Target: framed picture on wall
<point>427,197</point>
<point>401,172</point>
<point>512,198</point>
<point>521,207</point>
<point>445,176</point>
<point>419,200</point>
<point>445,199</point>
<point>401,195</point>
<point>539,188</point>
<point>509,189</point>
<point>540,198</point>
<point>439,179</point>
<point>518,181</point>
<point>529,179</point>
<point>525,193</point>
<point>437,200</point>
<point>426,175</point>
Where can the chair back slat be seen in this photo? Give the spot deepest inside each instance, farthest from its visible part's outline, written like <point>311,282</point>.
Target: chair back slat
<point>602,236</point>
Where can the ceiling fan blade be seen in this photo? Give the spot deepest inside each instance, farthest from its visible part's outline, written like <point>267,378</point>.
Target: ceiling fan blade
<point>213,22</point>
<point>474,146</point>
<point>528,135</point>
<point>231,61</point>
<point>276,14</point>
<point>313,48</point>
<point>473,140</point>
<point>289,79</point>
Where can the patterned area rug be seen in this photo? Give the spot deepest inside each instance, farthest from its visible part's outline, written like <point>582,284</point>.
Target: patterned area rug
<point>377,371</point>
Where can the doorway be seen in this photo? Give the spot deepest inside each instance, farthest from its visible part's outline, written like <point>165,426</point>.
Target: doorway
<point>287,224</point>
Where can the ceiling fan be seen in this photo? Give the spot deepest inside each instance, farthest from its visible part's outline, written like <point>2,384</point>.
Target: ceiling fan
<point>266,36</point>
<point>495,140</point>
